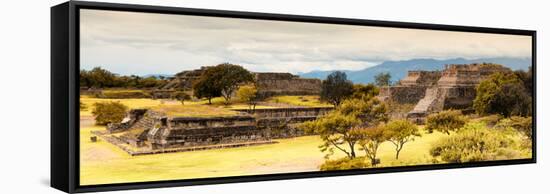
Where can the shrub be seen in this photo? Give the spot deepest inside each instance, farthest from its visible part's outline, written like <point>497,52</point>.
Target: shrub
<point>503,93</point>
<point>344,164</point>
<point>83,107</point>
<point>523,125</point>
<point>109,112</point>
<point>445,121</point>
<point>181,96</point>
<point>477,142</point>
<point>491,120</point>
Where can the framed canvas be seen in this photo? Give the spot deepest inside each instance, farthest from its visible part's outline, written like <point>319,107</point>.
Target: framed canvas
<point>149,96</point>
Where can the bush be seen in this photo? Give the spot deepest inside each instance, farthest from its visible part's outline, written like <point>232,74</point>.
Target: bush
<point>523,125</point>
<point>181,96</point>
<point>477,142</point>
<point>491,120</point>
<point>83,107</point>
<point>445,121</point>
<point>505,94</point>
<point>344,164</point>
<point>109,112</point>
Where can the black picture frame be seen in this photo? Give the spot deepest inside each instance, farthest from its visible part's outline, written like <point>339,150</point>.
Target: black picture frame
<point>65,92</point>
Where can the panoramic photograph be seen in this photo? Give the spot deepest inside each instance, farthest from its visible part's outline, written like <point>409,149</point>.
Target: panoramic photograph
<point>178,97</point>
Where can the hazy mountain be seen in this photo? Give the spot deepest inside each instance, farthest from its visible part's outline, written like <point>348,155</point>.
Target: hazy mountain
<point>158,75</point>
<point>398,69</point>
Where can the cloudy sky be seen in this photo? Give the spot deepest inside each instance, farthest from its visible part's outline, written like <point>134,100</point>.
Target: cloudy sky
<point>144,43</point>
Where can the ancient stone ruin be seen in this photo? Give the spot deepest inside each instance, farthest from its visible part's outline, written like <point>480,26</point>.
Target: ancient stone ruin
<point>271,84</point>
<point>152,131</point>
<point>268,84</point>
<point>433,91</point>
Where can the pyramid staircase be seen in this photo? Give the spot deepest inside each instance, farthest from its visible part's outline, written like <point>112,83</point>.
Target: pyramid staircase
<point>432,102</point>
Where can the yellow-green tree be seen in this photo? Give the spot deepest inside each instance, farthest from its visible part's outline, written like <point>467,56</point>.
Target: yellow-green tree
<point>373,137</point>
<point>360,90</point>
<point>400,132</point>
<point>248,94</point>
<point>445,121</point>
<point>109,112</point>
<point>340,129</point>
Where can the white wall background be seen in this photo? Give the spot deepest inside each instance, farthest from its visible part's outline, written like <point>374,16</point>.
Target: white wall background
<point>24,104</point>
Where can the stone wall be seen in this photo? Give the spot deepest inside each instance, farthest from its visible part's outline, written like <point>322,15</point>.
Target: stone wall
<point>287,112</point>
<point>268,84</point>
<point>272,84</point>
<point>284,122</point>
<point>143,127</point>
<point>195,131</point>
<point>420,78</point>
<point>402,94</point>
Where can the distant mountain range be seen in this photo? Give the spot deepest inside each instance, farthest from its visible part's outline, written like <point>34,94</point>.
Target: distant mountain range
<point>157,75</point>
<point>399,69</point>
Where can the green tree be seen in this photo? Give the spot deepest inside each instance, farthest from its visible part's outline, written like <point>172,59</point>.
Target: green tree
<point>205,87</point>
<point>336,131</point>
<point>445,121</point>
<point>336,88</point>
<point>339,128</point>
<point>383,79</point>
<point>226,78</point>
<point>503,93</point>
<point>368,109</point>
<point>399,132</point>
<point>373,137</point>
<point>182,97</point>
<point>248,94</point>
<point>527,78</point>
<point>476,142</point>
<point>109,112</point>
<point>101,78</point>
<point>368,90</point>
<point>85,80</point>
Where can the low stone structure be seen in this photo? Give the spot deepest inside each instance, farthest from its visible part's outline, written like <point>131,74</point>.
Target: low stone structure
<point>433,91</point>
<point>411,88</point>
<point>268,84</point>
<point>283,122</point>
<point>273,84</point>
<point>145,128</point>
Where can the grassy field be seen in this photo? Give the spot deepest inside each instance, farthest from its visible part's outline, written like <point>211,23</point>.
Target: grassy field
<point>173,107</point>
<point>309,101</point>
<point>103,163</point>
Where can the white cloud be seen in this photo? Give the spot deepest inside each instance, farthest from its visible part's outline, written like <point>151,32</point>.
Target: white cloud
<point>143,43</point>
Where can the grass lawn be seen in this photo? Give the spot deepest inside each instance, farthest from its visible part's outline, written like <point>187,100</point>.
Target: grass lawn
<point>308,101</point>
<point>131,103</point>
<point>173,107</point>
<point>103,163</point>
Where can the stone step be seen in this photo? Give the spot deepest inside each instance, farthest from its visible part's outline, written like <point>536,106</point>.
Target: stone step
<point>425,103</point>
